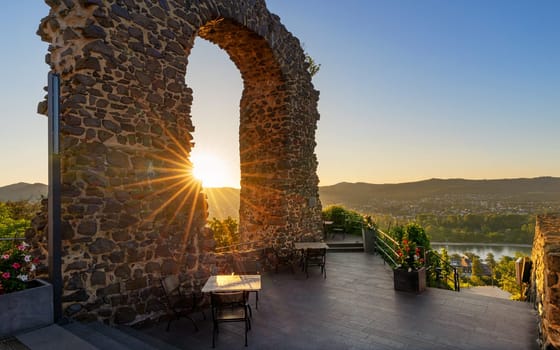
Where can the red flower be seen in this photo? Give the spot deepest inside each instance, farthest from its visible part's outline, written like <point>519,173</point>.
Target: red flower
<point>6,275</point>
<point>16,265</point>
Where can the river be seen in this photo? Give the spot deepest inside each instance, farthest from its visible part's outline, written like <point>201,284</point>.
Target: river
<point>482,249</point>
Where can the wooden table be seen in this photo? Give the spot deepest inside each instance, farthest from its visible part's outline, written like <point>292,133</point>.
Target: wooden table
<point>231,283</point>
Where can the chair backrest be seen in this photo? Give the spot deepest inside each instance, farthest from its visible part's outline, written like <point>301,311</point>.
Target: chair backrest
<point>316,254</point>
<point>171,285</point>
<point>247,267</point>
<point>220,299</point>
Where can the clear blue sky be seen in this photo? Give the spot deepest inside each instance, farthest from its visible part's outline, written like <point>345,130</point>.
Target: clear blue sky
<point>410,89</point>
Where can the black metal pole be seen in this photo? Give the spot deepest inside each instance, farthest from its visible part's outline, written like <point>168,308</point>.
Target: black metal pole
<point>54,239</point>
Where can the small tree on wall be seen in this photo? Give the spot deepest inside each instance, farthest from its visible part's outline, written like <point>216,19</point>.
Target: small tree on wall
<point>313,67</point>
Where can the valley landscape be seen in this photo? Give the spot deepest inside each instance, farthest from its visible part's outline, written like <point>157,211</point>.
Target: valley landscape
<point>405,200</point>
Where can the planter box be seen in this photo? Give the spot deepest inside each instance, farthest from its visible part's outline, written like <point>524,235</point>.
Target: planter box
<point>26,309</point>
<point>368,237</point>
<point>413,281</point>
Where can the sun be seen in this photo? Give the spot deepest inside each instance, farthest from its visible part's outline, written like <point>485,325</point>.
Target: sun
<point>209,169</point>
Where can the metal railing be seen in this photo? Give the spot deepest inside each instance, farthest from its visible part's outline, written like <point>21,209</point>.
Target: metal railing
<point>440,272</point>
<point>443,274</point>
<point>386,246</point>
<point>241,247</point>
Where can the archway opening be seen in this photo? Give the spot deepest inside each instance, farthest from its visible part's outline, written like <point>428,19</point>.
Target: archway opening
<point>263,116</point>
<point>217,87</point>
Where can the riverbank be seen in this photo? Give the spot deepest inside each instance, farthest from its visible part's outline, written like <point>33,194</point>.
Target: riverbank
<point>482,244</point>
<point>482,249</point>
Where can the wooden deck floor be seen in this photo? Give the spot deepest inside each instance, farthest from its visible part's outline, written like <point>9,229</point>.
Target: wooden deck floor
<point>357,308</point>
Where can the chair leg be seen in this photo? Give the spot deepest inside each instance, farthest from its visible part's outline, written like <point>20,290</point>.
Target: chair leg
<point>214,331</point>
<point>257,300</point>
<point>246,330</point>
<point>168,324</point>
<point>177,316</point>
<point>193,322</point>
<point>250,310</point>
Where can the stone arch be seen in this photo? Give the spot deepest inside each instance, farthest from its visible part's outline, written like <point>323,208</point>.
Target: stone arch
<point>131,209</point>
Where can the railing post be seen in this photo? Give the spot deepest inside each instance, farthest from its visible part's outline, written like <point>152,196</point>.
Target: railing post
<point>54,235</point>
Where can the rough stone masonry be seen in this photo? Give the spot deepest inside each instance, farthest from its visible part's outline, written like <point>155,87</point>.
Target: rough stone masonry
<point>131,210</point>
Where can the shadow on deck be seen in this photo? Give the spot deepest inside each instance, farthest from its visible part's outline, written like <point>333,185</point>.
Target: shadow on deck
<point>357,308</point>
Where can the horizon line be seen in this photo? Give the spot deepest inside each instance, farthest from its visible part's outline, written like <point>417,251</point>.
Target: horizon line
<point>363,182</point>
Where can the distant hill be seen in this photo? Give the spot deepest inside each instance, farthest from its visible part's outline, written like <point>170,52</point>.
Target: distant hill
<point>541,188</point>
<point>23,192</point>
<point>442,196</point>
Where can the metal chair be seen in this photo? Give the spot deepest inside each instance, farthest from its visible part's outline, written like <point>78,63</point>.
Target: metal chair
<point>315,257</point>
<point>248,267</point>
<point>229,307</point>
<point>178,304</point>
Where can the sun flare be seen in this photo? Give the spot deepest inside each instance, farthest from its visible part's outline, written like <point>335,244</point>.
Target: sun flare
<point>209,169</point>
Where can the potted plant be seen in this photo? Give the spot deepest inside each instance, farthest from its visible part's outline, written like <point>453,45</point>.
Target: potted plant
<point>25,302</point>
<point>410,273</point>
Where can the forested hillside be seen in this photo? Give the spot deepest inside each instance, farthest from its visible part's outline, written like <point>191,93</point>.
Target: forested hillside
<point>454,210</point>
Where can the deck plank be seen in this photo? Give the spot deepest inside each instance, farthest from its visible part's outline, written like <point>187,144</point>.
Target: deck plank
<point>357,308</point>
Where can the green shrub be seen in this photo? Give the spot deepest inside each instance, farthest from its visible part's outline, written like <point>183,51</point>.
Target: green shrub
<point>349,220</point>
<point>15,218</point>
<point>226,231</point>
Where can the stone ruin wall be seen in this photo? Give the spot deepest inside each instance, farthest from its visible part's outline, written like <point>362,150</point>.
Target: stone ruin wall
<point>546,279</point>
<point>131,210</point>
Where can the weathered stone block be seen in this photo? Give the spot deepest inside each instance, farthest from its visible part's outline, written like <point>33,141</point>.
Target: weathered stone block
<point>94,31</point>
<point>134,284</point>
<point>88,228</point>
<point>111,289</point>
<point>98,278</point>
<point>79,295</point>
<point>101,246</point>
<point>122,271</point>
<point>76,265</point>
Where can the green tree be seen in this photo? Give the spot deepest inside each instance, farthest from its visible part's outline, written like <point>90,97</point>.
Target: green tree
<point>445,265</point>
<point>414,232</point>
<point>23,209</point>
<point>505,275</point>
<point>225,231</point>
<point>491,262</point>
<point>477,271</point>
